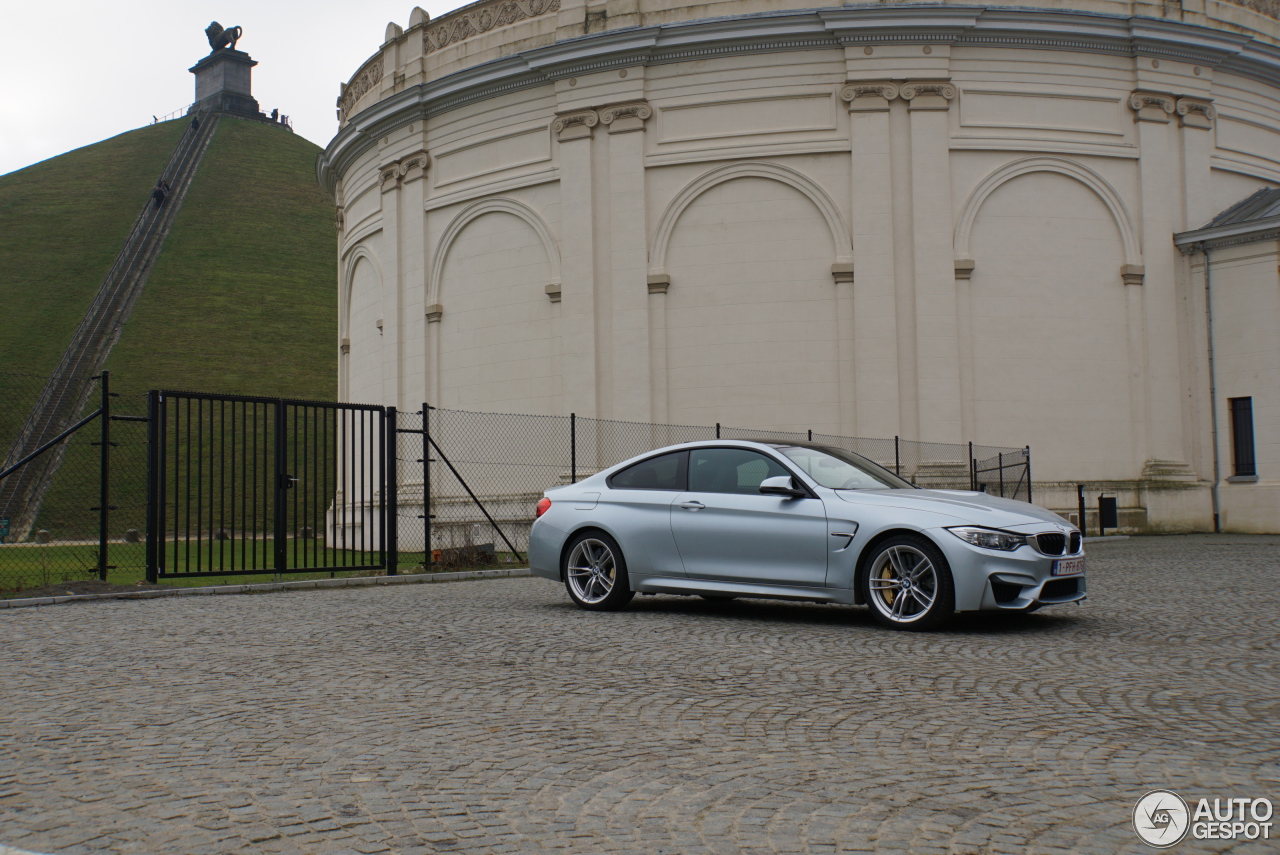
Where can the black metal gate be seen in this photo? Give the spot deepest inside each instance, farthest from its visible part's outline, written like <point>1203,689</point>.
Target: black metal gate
<point>242,485</point>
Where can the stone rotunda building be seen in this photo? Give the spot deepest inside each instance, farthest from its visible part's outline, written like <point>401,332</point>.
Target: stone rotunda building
<point>946,222</point>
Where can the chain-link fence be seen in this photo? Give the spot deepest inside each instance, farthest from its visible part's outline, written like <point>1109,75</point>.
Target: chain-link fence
<point>486,471</point>
<point>51,519</point>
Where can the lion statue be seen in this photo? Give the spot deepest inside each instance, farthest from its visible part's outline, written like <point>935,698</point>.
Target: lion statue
<point>220,38</point>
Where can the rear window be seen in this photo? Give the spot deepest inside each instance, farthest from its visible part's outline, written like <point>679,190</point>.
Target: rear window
<point>664,472</point>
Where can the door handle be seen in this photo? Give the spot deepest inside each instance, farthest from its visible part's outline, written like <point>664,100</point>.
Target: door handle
<point>692,506</point>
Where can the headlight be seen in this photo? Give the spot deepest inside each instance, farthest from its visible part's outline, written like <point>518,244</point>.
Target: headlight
<point>988,538</point>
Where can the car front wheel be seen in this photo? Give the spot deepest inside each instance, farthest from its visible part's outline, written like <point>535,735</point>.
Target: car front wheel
<point>908,585</point>
<point>595,573</point>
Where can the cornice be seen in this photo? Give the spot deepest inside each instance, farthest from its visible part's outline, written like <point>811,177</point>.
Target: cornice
<point>1247,232</point>
<point>1086,32</point>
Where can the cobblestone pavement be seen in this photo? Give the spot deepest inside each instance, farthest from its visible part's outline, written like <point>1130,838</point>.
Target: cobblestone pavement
<point>494,717</point>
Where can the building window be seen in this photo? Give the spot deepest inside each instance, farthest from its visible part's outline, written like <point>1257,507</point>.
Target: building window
<point>1242,459</point>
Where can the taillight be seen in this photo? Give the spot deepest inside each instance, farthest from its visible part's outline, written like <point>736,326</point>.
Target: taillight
<point>544,505</point>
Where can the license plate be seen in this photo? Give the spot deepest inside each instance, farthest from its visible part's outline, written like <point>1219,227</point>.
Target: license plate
<point>1068,566</point>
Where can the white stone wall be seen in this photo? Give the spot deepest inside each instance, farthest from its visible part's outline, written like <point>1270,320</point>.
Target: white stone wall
<point>946,242</point>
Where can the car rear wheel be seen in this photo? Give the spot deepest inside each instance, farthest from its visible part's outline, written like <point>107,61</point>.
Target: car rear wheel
<point>908,585</point>
<point>595,573</point>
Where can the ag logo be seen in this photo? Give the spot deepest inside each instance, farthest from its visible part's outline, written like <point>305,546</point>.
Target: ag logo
<point>1161,818</point>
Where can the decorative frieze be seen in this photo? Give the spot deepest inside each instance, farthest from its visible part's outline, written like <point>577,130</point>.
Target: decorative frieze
<point>481,18</point>
<point>622,118</point>
<point>365,79</point>
<point>1195,113</point>
<point>1151,106</point>
<point>575,125</point>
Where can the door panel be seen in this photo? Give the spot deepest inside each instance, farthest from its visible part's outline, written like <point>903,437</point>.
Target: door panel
<point>727,531</point>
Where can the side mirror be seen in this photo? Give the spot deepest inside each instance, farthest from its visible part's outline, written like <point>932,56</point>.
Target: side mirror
<point>781,485</point>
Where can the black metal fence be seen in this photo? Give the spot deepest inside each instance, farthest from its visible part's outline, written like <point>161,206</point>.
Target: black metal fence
<point>487,470</point>
<point>192,485</point>
<point>74,508</point>
<point>244,485</point>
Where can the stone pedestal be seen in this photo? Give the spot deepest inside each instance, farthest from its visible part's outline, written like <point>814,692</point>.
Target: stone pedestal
<point>223,83</point>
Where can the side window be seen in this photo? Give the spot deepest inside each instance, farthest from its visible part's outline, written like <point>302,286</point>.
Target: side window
<point>665,472</point>
<point>730,470</point>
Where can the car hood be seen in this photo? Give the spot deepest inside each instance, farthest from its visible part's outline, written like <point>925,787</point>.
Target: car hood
<point>965,506</point>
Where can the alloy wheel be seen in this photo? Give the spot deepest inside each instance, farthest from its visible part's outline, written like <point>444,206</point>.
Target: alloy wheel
<point>903,584</point>
<point>592,571</point>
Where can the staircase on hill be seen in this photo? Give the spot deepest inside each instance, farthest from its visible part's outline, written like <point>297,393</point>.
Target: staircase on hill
<point>66,393</point>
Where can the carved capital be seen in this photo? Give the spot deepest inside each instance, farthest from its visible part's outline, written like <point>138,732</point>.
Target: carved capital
<point>1132,274</point>
<point>365,79</point>
<point>842,271</point>
<point>434,312</point>
<point>345,345</point>
<point>964,268</point>
<point>869,96</point>
<point>1195,113</point>
<point>389,176</point>
<point>414,166</point>
<point>553,292</point>
<point>659,283</point>
<point>575,125</point>
<point>339,219</point>
<point>622,118</point>
<point>1151,106</point>
<point>928,94</point>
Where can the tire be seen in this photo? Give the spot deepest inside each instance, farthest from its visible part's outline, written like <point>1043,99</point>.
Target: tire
<point>595,573</point>
<point>907,584</point>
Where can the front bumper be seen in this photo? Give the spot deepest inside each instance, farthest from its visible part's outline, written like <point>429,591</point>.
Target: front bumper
<point>992,580</point>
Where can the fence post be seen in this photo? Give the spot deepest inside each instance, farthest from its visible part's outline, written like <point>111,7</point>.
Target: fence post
<point>573,448</point>
<point>717,430</point>
<point>1080,508</point>
<point>426,486</point>
<point>390,497</point>
<point>1000,469</point>
<point>104,470</point>
<point>973,471</point>
<point>897,461</point>
<point>1026,453</point>
<point>280,507</point>
<point>154,438</point>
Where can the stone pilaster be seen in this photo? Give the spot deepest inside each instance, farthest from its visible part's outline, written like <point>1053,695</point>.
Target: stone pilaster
<point>391,285</point>
<point>628,262</point>
<point>412,383</point>
<point>936,340</point>
<point>868,356</point>
<point>575,131</point>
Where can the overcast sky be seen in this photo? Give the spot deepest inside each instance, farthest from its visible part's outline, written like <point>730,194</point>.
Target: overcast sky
<point>80,71</point>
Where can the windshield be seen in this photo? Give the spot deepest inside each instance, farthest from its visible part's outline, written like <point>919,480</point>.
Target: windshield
<point>842,470</point>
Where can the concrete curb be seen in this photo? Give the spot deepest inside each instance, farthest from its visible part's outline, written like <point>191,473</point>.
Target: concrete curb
<point>1096,538</point>
<point>266,587</point>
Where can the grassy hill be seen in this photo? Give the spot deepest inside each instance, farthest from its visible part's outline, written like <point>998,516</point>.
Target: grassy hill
<point>242,299</point>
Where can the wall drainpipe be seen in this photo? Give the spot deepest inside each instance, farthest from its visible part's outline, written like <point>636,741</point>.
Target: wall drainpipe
<point>1213,388</point>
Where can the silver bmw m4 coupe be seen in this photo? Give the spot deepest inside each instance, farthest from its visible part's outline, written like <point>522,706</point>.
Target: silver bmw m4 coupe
<point>799,521</point>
